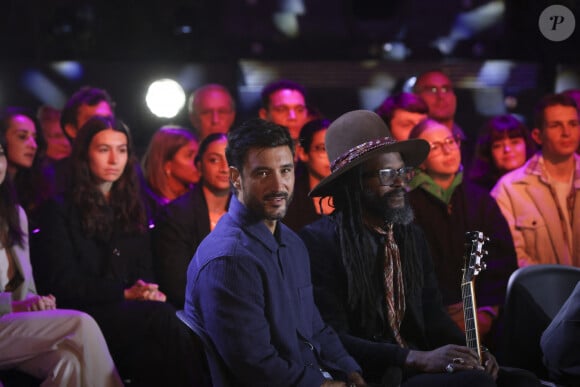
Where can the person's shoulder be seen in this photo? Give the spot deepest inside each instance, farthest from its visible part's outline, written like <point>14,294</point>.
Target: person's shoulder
<point>225,239</point>
<point>320,234</point>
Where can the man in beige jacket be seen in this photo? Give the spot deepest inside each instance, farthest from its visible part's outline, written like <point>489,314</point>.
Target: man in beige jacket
<point>541,199</point>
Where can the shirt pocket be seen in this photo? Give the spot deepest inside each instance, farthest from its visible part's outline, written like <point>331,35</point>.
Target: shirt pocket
<point>534,233</point>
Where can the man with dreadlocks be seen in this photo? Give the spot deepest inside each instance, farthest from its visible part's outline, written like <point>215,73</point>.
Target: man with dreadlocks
<point>373,276</point>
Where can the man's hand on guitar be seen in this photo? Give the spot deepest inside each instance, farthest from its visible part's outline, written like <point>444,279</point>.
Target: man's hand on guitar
<point>449,358</point>
<point>490,363</point>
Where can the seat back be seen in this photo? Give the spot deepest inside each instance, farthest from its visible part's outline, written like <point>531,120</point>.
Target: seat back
<point>220,375</point>
<point>534,296</point>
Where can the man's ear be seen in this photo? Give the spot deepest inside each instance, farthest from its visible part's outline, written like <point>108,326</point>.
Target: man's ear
<point>235,178</point>
<point>263,113</point>
<point>71,131</point>
<point>537,136</point>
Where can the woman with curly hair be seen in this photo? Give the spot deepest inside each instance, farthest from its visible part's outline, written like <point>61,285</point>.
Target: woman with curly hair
<point>94,254</point>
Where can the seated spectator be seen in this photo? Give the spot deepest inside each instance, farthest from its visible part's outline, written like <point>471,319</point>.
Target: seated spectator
<point>504,144</point>
<point>24,151</point>
<point>540,200</point>
<point>446,206</point>
<point>184,223</point>
<point>82,105</point>
<point>212,109</point>
<point>561,340</point>
<point>284,103</point>
<point>59,347</point>
<point>312,155</point>
<point>248,285</point>
<point>169,165</point>
<point>401,112</point>
<point>57,145</point>
<point>372,273</point>
<point>93,253</point>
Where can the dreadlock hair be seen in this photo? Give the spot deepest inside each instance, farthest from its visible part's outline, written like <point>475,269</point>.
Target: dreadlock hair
<point>10,231</point>
<point>125,211</point>
<point>364,269</point>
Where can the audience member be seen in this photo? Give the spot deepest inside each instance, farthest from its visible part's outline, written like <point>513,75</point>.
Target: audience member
<point>436,89</point>
<point>312,156</point>
<point>561,340</point>
<point>575,94</point>
<point>24,149</point>
<point>82,105</point>
<point>284,103</point>
<point>168,165</point>
<point>57,145</point>
<point>401,112</point>
<point>93,252</point>
<point>447,206</point>
<point>248,285</point>
<point>184,223</point>
<point>504,144</point>
<point>372,273</point>
<point>212,109</point>
<point>540,200</point>
<point>60,347</point>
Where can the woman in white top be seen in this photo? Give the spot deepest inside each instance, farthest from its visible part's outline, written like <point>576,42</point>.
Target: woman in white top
<point>60,347</point>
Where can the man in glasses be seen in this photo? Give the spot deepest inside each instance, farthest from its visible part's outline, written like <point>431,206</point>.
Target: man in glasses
<point>436,89</point>
<point>371,269</point>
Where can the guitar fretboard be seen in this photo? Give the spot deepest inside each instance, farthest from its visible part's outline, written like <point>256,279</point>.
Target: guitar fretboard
<point>470,315</point>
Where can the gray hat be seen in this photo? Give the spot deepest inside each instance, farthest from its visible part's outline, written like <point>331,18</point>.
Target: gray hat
<point>357,136</point>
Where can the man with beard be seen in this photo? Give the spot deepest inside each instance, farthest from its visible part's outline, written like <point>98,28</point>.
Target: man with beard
<point>248,284</point>
<point>372,273</point>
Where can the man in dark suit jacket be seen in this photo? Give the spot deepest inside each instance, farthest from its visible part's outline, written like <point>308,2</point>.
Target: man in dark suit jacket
<point>248,285</point>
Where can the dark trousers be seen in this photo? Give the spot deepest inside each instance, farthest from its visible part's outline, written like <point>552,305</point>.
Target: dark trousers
<point>148,343</point>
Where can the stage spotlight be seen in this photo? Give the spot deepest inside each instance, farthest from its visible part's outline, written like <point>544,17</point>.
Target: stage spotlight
<point>165,98</point>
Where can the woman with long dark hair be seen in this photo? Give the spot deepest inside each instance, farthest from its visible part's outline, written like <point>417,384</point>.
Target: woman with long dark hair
<point>72,350</point>
<point>94,254</point>
<point>25,147</point>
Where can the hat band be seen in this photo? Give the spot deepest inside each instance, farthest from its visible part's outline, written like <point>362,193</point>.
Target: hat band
<point>359,150</point>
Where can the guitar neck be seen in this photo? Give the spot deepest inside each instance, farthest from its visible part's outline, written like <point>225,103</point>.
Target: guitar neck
<point>470,316</point>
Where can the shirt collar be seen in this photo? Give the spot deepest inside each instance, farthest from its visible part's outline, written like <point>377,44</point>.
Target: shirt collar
<point>254,225</point>
<point>424,181</point>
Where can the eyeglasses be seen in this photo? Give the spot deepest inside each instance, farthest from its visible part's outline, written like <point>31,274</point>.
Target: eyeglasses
<point>449,143</point>
<point>437,90</point>
<point>387,176</point>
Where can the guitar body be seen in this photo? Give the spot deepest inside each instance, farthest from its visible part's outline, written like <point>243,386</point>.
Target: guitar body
<point>474,241</point>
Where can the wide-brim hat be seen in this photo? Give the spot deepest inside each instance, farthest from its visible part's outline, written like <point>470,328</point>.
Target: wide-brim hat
<point>357,136</point>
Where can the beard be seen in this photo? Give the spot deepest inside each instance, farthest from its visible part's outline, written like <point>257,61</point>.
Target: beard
<point>383,205</point>
<point>263,211</point>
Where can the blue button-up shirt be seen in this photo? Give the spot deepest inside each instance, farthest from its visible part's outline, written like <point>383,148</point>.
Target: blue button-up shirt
<point>251,292</point>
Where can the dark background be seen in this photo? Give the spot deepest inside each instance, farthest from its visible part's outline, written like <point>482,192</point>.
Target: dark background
<point>337,52</point>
